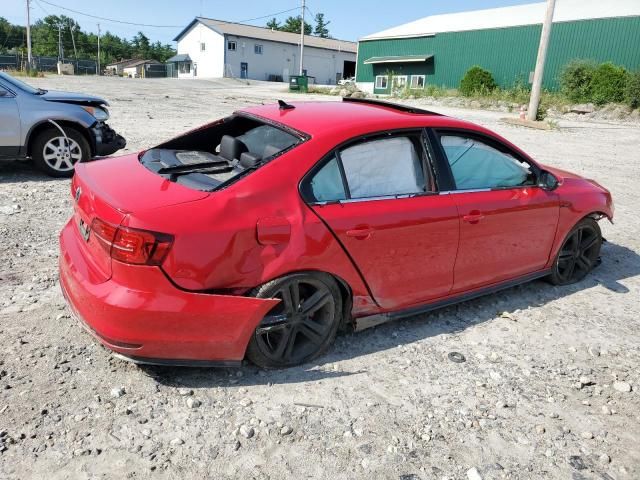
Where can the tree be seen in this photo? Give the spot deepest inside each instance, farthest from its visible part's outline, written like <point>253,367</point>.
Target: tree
<point>321,29</point>
<point>273,24</point>
<point>292,24</point>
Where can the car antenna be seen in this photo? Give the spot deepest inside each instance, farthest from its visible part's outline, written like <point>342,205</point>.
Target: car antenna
<point>285,106</point>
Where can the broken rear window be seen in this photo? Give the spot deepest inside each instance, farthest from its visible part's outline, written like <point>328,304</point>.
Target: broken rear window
<point>216,155</point>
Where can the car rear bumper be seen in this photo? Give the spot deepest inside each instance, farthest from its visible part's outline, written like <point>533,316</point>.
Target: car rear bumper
<point>141,315</point>
<point>107,141</point>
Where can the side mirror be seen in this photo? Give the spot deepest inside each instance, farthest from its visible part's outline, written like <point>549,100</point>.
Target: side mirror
<point>547,181</point>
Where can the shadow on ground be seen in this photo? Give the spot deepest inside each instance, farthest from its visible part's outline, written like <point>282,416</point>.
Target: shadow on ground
<point>619,263</point>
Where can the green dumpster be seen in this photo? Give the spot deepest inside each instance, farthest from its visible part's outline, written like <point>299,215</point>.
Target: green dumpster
<point>298,83</point>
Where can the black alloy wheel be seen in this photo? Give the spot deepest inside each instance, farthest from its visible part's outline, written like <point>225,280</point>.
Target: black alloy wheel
<point>301,326</point>
<point>579,253</point>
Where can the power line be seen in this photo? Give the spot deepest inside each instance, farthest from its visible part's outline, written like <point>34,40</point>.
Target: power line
<point>113,20</point>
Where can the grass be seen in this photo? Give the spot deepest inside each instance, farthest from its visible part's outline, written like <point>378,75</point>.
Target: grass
<point>25,73</point>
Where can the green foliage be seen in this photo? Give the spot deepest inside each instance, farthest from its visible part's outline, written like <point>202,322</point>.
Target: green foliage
<point>292,24</point>
<point>575,80</point>
<point>477,80</point>
<point>632,90</point>
<point>321,29</point>
<point>273,24</point>
<point>608,83</point>
<point>44,39</point>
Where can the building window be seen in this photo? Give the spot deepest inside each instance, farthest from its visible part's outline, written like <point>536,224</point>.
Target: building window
<point>417,81</point>
<point>184,67</point>
<point>257,49</point>
<point>400,82</point>
<point>203,47</point>
<point>231,45</point>
<point>381,82</point>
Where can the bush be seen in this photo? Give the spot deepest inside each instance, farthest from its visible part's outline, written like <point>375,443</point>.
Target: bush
<point>575,80</point>
<point>608,83</point>
<point>632,90</point>
<point>477,80</point>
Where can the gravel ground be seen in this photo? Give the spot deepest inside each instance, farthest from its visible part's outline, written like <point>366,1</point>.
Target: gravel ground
<point>549,389</point>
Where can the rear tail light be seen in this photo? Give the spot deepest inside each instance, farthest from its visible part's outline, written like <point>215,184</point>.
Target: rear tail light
<point>131,245</point>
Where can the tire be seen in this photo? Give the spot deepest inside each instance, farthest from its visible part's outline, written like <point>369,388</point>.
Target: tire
<point>579,253</point>
<point>50,155</point>
<point>290,336</point>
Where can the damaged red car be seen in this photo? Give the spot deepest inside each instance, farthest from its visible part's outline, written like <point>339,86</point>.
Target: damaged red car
<point>259,236</point>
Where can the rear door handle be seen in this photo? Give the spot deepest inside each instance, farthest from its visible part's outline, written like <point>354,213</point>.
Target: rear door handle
<point>361,233</point>
<point>473,217</point>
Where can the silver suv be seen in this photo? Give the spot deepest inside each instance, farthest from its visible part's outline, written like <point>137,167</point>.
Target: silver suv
<point>55,129</point>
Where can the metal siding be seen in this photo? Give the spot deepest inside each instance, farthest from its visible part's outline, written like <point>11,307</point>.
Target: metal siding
<point>509,53</point>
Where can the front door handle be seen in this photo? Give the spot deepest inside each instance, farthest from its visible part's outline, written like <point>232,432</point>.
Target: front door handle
<point>474,216</point>
<point>360,233</point>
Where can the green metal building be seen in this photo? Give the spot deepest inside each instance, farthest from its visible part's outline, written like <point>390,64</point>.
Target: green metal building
<point>439,49</point>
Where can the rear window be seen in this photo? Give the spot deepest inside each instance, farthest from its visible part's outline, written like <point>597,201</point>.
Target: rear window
<point>214,156</point>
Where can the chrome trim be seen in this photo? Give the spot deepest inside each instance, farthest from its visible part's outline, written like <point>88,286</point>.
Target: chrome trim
<point>374,199</point>
<point>471,190</point>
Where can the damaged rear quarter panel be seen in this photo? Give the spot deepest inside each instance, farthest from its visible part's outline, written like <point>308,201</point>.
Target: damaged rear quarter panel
<point>217,246</point>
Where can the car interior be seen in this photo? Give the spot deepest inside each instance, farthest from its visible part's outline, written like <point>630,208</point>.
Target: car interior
<point>208,158</point>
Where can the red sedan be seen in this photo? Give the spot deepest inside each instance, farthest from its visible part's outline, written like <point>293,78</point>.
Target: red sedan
<point>262,234</point>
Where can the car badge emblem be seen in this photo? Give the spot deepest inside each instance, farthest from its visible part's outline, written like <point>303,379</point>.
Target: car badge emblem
<point>78,193</point>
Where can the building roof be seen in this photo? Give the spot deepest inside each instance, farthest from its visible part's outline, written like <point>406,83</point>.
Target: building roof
<point>181,57</point>
<point>398,59</point>
<point>122,62</point>
<point>137,63</point>
<point>263,33</point>
<point>529,14</point>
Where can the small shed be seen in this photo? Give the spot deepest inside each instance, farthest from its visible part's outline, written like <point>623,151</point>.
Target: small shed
<point>139,68</point>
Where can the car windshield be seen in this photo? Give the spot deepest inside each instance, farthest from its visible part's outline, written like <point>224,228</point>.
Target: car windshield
<point>19,84</point>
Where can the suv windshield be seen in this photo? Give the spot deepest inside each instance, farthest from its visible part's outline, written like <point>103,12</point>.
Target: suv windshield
<point>13,82</point>
<point>220,153</point>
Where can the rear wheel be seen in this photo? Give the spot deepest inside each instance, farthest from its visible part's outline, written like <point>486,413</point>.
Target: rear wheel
<point>302,326</point>
<point>56,156</point>
<point>579,253</point>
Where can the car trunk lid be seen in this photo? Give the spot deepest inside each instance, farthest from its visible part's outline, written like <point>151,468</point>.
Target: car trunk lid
<point>109,190</point>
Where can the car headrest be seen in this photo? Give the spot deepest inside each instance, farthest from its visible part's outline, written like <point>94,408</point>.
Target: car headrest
<point>249,160</point>
<point>270,150</point>
<point>231,148</point>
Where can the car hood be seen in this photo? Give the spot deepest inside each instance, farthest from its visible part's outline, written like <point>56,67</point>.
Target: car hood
<point>76,98</point>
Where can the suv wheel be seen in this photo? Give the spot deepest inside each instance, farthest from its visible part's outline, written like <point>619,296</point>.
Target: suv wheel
<point>53,156</point>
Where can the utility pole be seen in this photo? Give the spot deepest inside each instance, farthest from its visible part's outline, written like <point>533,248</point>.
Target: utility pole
<point>60,49</point>
<point>29,57</point>
<point>98,72</point>
<point>302,40</point>
<point>73,39</point>
<point>534,101</point>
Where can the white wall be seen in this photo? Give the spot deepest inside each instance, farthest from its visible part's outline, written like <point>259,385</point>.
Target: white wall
<point>210,63</point>
<point>283,59</point>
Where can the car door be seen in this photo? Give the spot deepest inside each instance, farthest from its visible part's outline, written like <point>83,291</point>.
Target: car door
<point>9,123</point>
<point>378,197</point>
<point>508,223</point>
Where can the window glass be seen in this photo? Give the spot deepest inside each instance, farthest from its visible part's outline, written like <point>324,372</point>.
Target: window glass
<point>400,81</point>
<point>417,81</point>
<point>231,45</point>
<point>381,82</point>
<point>257,49</point>
<point>384,167</point>
<point>475,164</point>
<point>266,140</point>
<point>326,185</point>
<point>203,47</point>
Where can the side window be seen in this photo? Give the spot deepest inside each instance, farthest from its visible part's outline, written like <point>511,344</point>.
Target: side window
<point>326,185</point>
<point>383,167</point>
<point>475,164</point>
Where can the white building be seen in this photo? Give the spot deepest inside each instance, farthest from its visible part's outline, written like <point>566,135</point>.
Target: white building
<point>210,48</point>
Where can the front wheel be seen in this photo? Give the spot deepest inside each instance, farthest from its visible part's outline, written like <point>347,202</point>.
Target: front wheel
<point>56,155</point>
<point>579,253</point>
<point>302,326</point>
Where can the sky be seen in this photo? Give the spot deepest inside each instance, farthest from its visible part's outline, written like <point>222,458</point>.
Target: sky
<point>350,20</point>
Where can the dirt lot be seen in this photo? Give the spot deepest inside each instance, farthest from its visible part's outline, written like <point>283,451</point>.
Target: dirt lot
<point>544,391</point>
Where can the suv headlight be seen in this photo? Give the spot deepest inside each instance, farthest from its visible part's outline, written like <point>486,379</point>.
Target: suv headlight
<point>100,114</point>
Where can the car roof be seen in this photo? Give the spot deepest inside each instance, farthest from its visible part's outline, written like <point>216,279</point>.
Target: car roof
<point>349,118</point>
